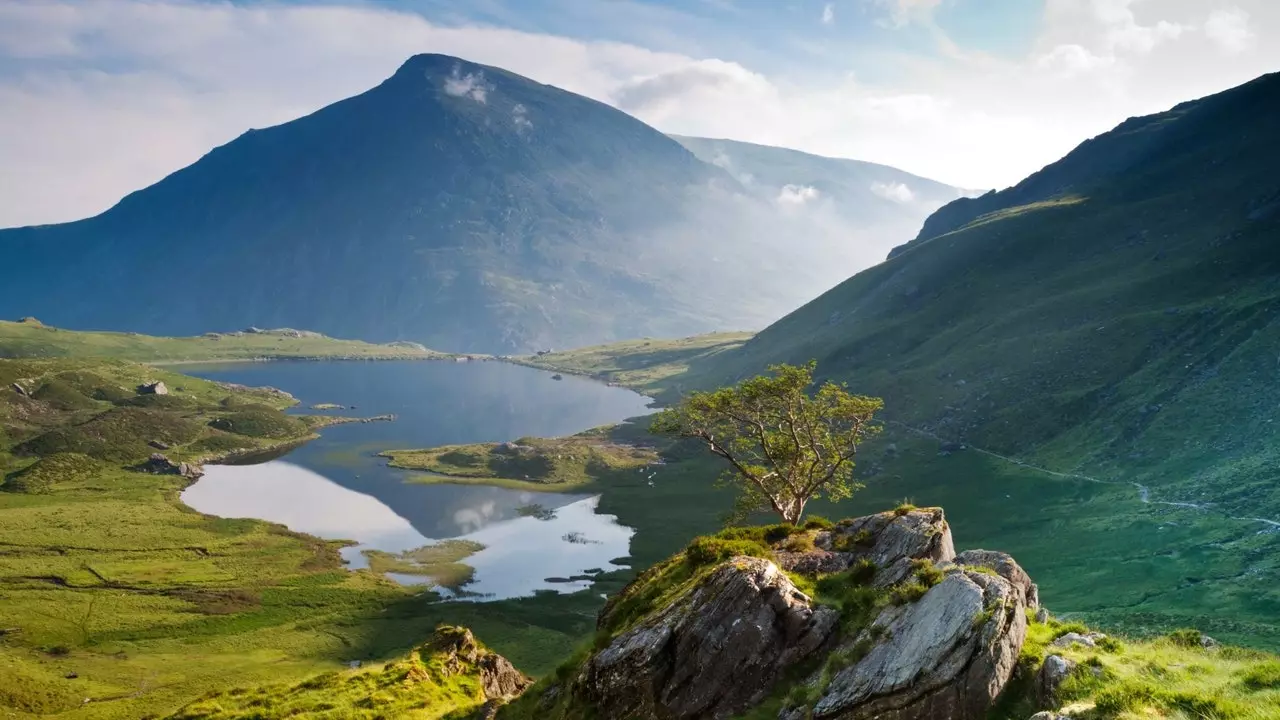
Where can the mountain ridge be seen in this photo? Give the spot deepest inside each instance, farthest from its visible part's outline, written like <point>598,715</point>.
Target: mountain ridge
<point>454,204</point>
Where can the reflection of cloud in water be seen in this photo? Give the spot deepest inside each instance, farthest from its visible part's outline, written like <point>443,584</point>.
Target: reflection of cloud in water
<point>304,500</point>
<point>519,553</point>
<point>473,518</point>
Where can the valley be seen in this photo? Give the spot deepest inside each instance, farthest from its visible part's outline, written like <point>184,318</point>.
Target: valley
<point>1077,371</point>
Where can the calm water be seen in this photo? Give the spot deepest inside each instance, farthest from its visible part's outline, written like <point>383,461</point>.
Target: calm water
<point>336,487</point>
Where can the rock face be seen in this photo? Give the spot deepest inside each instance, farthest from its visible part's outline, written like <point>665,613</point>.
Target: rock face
<point>891,540</point>
<point>1007,568</point>
<point>925,635</point>
<point>159,464</point>
<point>713,653</point>
<point>498,677</point>
<point>947,655</point>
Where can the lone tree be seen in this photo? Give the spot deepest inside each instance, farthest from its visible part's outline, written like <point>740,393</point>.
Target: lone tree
<point>784,445</point>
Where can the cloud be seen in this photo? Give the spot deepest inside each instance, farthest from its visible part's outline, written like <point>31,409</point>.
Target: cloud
<point>900,13</point>
<point>797,195</point>
<point>897,192</point>
<point>471,85</point>
<point>1229,28</point>
<point>99,99</point>
<point>828,14</point>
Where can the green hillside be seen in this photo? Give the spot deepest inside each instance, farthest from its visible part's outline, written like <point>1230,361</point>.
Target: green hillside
<point>1111,320</point>
<point>30,338</point>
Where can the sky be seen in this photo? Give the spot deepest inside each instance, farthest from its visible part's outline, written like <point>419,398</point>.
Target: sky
<point>102,97</point>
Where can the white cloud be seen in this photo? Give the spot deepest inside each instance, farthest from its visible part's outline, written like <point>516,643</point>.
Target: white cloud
<point>797,195</point>
<point>828,14</point>
<point>900,13</point>
<point>99,99</point>
<point>1229,28</point>
<point>897,192</point>
<point>471,85</point>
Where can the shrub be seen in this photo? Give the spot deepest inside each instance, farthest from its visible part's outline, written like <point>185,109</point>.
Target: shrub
<point>712,550</point>
<point>1187,637</point>
<point>926,572</point>
<point>907,593</point>
<point>799,544</point>
<point>817,522</point>
<point>1265,676</point>
<point>903,508</point>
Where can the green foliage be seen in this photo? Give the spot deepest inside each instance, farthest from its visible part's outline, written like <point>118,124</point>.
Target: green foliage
<point>1187,637</point>
<point>24,340</point>
<point>118,435</point>
<point>711,550</point>
<point>259,422</point>
<point>1263,676</point>
<point>529,463</point>
<point>817,522</point>
<point>62,395</point>
<point>49,472</point>
<point>784,446</point>
<point>436,680</point>
<point>903,508</point>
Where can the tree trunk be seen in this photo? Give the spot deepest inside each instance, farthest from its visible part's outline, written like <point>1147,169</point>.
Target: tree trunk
<point>793,511</point>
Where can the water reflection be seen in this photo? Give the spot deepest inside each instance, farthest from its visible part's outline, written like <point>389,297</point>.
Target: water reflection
<point>337,487</point>
<point>561,542</point>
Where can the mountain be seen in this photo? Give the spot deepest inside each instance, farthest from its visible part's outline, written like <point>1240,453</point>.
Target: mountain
<point>883,202</point>
<point>1115,315</point>
<point>456,205</point>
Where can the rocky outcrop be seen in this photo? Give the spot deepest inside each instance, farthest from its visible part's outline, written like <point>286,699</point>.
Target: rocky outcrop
<point>153,388</point>
<point>891,540</point>
<point>460,653</point>
<point>947,655</point>
<point>924,635</point>
<point>159,464</point>
<point>1072,638</point>
<point>1055,671</point>
<point>1006,567</point>
<point>714,652</point>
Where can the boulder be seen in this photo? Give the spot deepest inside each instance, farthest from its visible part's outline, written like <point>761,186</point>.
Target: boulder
<point>154,388</point>
<point>891,540</point>
<point>1007,568</point>
<point>947,655</point>
<point>1071,638</point>
<point>1055,670</point>
<point>712,653</point>
<point>159,464</point>
<point>1049,716</point>
<point>18,388</point>
<point>1042,615</point>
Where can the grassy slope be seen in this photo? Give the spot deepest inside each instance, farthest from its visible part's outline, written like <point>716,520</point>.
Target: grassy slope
<point>437,680</point>
<point>32,339</point>
<point>107,576</point>
<point>1112,318</point>
<point>650,367</point>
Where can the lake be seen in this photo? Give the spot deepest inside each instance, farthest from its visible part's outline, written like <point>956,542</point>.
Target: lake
<point>336,487</point>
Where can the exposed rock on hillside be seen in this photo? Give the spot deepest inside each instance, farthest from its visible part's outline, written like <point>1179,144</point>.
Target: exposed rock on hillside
<point>900,628</point>
<point>712,653</point>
